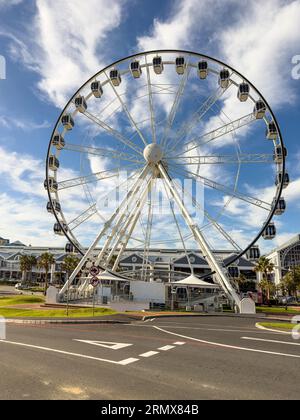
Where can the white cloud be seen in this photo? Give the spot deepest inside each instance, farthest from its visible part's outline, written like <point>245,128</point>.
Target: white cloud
<point>22,124</point>
<point>5,4</point>
<point>65,43</point>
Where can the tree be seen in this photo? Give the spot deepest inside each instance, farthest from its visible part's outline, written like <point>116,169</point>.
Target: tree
<point>27,262</point>
<point>240,281</point>
<point>265,267</point>
<point>69,264</point>
<point>290,283</point>
<point>45,261</point>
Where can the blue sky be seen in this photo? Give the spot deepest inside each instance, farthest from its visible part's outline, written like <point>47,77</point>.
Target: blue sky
<point>52,47</point>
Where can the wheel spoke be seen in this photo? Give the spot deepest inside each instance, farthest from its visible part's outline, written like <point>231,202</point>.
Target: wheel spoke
<point>217,133</point>
<point>96,176</point>
<point>223,159</point>
<point>114,133</point>
<point>175,106</point>
<point>197,116</point>
<point>132,122</point>
<point>232,192</point>
<point>98,151</point>
<point>152,115</point>
<point>83,217</point>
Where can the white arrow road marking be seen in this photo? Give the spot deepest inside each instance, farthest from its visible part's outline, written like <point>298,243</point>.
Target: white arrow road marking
<point>84,356</point>
<point>107,344</point>
<point>271,341</point>
<point>229,346</point>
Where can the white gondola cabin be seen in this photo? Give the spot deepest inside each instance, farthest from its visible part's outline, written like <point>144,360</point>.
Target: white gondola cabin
<point>58,141</point>
<point>69,248</point>
<point>58,230</point>
<point>53,186</point>
<point>280,207</point>
<point>135,69</point>
<point>56,206</point>
<point>243,92</point>
<point>158,65</point>
<point>180,65</point>
<point>253,253</point>
<point>224,78</point>
<point>269,232</point>
<point>259,110</point>
<point>96,89</point>
<point>81,104</point>
<point>53,163</point>
<point>67,121</point>
<point>115,77</point>
<point>202,69</point>
<point>279,154</point>
<point>271,131</point>
<point>286,179</point>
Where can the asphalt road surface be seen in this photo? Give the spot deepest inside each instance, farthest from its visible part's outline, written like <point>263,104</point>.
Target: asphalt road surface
<point>178,358</point>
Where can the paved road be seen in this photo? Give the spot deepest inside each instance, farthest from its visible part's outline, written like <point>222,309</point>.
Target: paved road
<point>179,358</point>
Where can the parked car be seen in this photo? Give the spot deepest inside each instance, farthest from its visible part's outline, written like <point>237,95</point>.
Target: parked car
<point>20,286</point>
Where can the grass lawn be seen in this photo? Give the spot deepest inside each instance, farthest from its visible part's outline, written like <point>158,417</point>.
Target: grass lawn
<point>8,312</point>
<point>277,310</point>
<point>278,325</point>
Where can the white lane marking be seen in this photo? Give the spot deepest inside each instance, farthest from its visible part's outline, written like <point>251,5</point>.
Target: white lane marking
<point>278,332</point>
<point>165,348</point>
<point>83,356</point>
<point>128,361</point>
<point>271,341</point>
<point>179,343</point>
<point>107,344</point>
<point>149,353</point>
<point>229,346</point>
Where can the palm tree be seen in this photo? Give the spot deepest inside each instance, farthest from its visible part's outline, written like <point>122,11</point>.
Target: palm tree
<point>291,281</point>
<point>265,267</point>
<point>27,262</point>
<point>240,281</point>
<point>45,261</point>
<point>69,264</point>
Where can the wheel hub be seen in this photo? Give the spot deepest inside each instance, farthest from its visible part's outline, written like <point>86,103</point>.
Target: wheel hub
<point>153,153</point>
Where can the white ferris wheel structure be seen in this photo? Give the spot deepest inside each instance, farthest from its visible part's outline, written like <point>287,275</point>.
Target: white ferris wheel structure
<point>162,117</point>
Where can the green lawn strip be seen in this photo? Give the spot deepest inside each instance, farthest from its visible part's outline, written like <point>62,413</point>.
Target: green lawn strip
<point>276,310</point>
<point>54,313</point>
<point>20,300</point>
<point>278,325</point>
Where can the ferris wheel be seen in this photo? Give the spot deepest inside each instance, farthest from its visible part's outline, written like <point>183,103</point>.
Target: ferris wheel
<point>135,132</point>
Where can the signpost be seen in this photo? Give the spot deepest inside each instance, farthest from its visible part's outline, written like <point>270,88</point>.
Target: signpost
<point>94,271</point>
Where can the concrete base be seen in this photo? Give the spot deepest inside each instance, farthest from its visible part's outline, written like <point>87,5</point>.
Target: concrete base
<point>247,306</point>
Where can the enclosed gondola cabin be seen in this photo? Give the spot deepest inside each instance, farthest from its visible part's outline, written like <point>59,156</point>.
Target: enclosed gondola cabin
<point>233,271</point>
<point>69,248</point>
<point>253,253</point>
<point>58,141</point>
<point>280,207</point>
<point>53,186</point>
<point>259,110</point>
<point>180,65</point>
<point>286,179</point>
<point>67,121</point>
<point>96,89</point>
<point>115,77</point>
<point>202,69</point>
<point>53,163</point>
<point>58,230</point>
<point>81,104</point>
<point>224,78</point>
<point>158,65</point>
<point>279,154</point>
<point>269,232</point>
<point>243,92</point>
<point>135,69</point>
<point>56,206</point>
<point>271,131</point>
